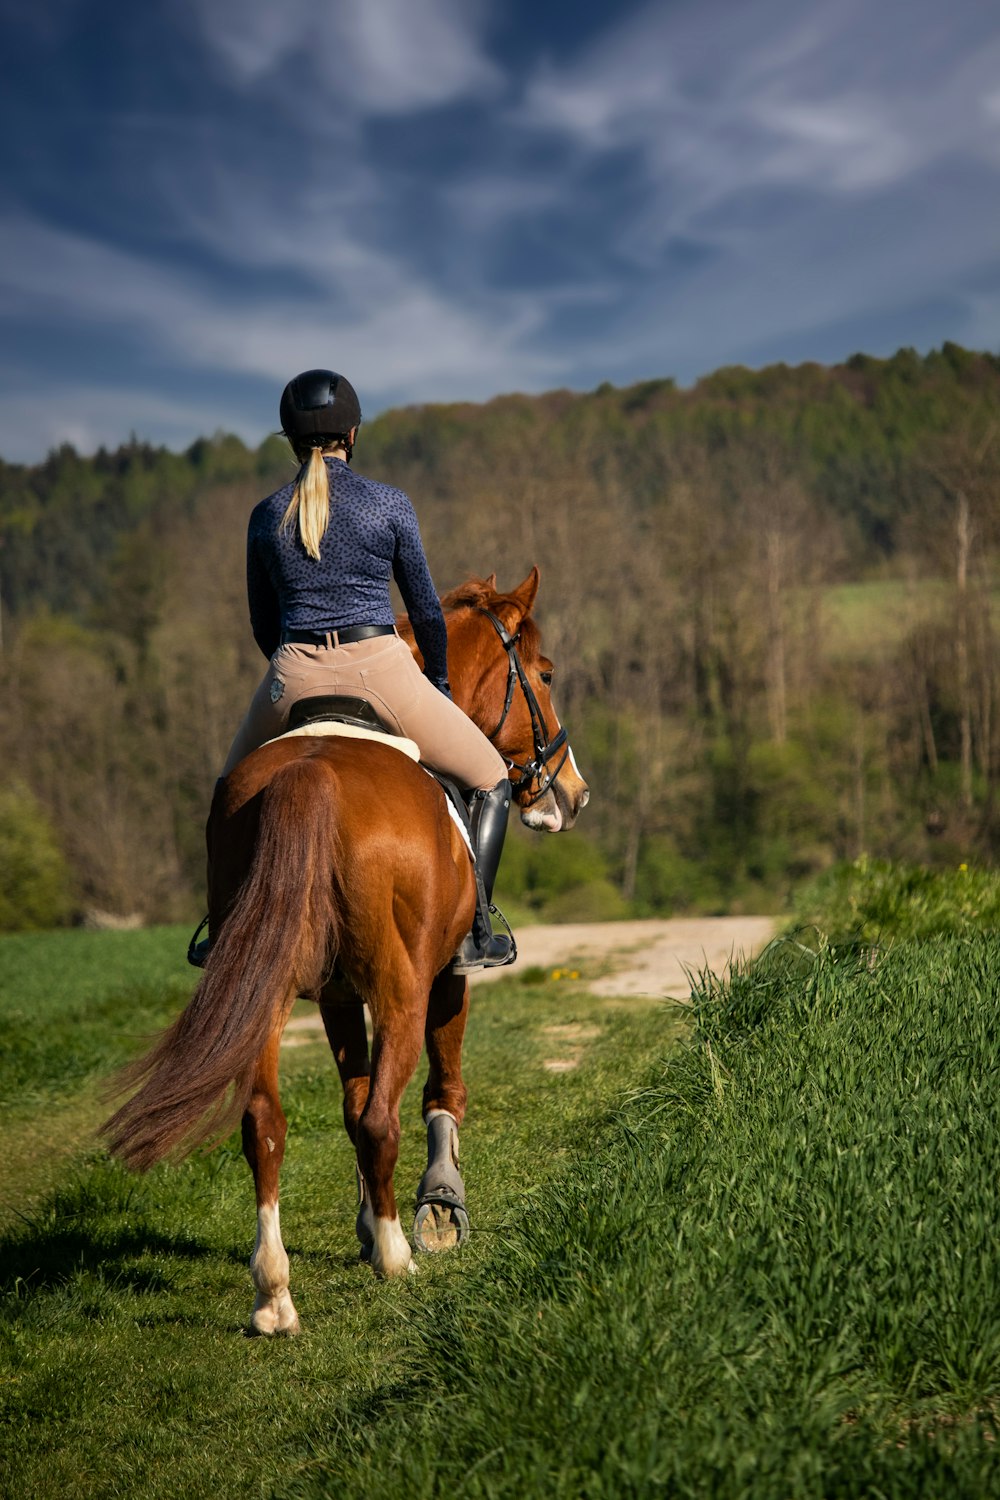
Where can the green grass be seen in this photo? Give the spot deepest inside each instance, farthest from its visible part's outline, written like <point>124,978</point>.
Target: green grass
<point>777,1275</point>
<point>123,1369</point>
<point>873,901</point>
<point>760,1263</point>
<point>73,1006</point>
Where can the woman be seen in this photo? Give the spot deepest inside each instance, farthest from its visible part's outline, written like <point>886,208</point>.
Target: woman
<point>320,554</point>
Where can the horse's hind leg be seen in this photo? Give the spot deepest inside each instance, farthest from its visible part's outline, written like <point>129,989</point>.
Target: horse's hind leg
<point>442,1221</point>
<point>398,1025</point>
<point>344,1022</point>
<point>264,1130</point>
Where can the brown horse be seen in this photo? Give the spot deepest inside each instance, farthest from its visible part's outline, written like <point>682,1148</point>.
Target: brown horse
<point>335,872</point>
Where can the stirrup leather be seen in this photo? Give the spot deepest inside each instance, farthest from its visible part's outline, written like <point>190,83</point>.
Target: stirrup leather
<point>198,952</point>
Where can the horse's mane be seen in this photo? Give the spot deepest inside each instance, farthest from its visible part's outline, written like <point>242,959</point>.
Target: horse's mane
<point>475,593</point>
<point>482,593</point>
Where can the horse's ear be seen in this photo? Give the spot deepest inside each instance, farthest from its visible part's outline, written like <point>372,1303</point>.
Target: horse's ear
<point>525,593</point>
<point>491,583</point>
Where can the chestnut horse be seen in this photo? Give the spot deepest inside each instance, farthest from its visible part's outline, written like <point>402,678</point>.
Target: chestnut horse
<point>335,872</point>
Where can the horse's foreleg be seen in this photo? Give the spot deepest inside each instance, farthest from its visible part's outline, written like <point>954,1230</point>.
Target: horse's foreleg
<point>264,1131</point>
<point>398,1025</point>
<point>441,1220</point>
<point>447,1013</point>
<point>344,1021</point>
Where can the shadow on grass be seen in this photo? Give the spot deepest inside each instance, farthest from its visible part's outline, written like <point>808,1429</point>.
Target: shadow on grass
<point>39,1260</point>
<point>97,1223</point>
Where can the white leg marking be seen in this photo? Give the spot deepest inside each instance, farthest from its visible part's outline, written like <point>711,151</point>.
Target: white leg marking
<point>274,1311</point>
<point>391,1254</point>
<point>432,1114</point>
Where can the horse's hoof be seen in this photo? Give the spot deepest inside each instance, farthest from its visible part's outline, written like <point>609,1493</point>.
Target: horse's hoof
<point>271,1318</point>
<point>440,1225</point>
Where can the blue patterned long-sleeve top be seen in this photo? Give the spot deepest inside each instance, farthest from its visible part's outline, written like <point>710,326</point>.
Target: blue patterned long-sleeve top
<point>373,534</point>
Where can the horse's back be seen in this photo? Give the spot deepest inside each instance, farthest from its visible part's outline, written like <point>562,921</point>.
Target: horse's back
<point>401,866</point>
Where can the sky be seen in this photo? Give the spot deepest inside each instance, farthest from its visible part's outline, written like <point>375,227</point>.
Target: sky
<point>451,199</point>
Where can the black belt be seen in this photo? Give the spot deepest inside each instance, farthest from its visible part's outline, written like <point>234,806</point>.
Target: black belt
<point>335,637</point>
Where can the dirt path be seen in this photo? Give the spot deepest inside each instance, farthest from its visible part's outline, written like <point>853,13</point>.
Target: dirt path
<point>635,960</point>
<point>638,958</point>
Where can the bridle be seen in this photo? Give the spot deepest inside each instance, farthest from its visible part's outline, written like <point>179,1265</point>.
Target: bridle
<point>544,750</point>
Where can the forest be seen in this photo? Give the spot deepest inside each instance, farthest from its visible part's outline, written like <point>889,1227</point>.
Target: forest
<point>770,600</point>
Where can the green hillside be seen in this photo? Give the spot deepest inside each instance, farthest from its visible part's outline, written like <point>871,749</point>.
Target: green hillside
<point>769,598</point>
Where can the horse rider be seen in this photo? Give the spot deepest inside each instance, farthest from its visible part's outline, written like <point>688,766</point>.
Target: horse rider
<point>320,552</point>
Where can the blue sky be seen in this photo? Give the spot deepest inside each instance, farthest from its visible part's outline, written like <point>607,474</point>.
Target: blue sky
<point>449,199</point>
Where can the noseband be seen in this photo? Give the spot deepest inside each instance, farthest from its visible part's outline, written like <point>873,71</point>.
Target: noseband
<point>537,768</point>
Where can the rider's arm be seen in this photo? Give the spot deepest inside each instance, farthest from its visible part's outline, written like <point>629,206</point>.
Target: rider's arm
<point>410,570</point>
<point>265,610</point>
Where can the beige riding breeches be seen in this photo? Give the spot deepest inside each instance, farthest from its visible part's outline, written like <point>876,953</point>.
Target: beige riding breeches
<point>384,671</point>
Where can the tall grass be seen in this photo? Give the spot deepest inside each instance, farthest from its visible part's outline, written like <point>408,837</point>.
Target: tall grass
<point>778,1276</point>
<point>765,1265</point>
<point>873,900</point>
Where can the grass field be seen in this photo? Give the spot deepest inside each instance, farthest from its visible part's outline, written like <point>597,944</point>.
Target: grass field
<point>874,618</point>
<point>757,1260</point>
<point>123,1366</point>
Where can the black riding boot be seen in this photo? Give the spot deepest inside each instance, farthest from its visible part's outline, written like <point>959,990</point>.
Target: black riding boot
<point>483,948</point>
<point>198,951</point>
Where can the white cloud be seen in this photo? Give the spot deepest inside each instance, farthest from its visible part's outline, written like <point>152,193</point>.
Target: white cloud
<point>396,336</point>
<point>386,56</point>
<point>717,99</point>
<point>90,416</point>
<point>802,275</point>
<point>700,182</point>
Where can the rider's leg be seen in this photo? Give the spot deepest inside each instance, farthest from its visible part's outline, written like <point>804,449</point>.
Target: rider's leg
<point>198,951</point>
<point>482,947</point>
<point>265,718</point>
<point>451,743</point>
<point>384,671</point>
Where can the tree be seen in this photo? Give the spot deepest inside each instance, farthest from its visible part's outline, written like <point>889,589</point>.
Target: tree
<point>34,879</point>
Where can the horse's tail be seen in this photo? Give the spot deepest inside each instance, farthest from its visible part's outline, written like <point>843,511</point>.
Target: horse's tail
<point>279,939</point>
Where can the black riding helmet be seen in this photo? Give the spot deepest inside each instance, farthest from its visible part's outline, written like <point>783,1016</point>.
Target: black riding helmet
<point>318,407</point>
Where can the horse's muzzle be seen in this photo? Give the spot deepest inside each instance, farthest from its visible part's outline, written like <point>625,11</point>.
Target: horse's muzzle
<point>560,804</point>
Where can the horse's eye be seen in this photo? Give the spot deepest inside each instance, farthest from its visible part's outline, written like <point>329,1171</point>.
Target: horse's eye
<point>546,678</point>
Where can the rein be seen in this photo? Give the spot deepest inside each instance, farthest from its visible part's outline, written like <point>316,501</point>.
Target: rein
<point>537,768</point>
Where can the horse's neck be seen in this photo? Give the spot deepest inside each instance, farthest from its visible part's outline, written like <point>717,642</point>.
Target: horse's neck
<point>469,663</point>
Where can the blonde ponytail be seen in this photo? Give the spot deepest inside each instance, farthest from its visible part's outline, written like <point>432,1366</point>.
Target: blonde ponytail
<point>310,502</point>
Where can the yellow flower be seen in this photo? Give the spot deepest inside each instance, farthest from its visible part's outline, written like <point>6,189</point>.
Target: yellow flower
<point>963,867</point>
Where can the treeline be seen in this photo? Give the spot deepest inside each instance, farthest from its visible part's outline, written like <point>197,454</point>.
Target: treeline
<point>769,599</point>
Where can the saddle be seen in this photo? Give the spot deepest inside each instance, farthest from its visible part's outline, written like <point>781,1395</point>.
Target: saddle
<point>336,713</point>
<point>341,709</point>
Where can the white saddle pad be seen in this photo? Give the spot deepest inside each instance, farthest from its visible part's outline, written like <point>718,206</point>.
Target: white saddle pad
<point>352,732</point>
<point>394,741</point>
<point>453,815</point>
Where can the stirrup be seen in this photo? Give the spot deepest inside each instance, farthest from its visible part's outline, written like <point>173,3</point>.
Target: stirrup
<point>494,952</point>
<point>198,952</point>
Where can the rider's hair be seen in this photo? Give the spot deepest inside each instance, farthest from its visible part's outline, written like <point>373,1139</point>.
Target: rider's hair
<point>310,502</point>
